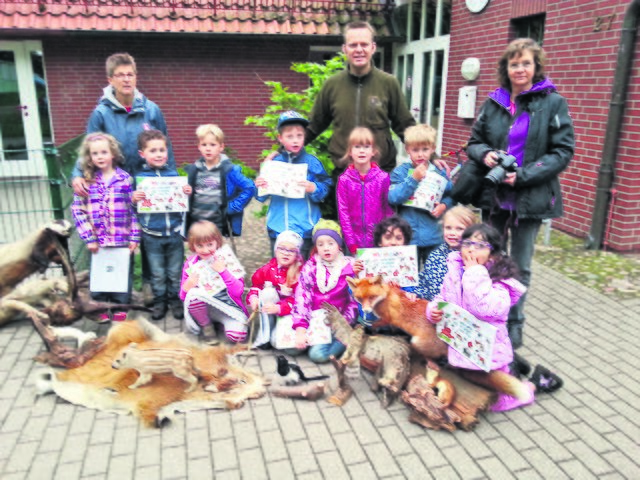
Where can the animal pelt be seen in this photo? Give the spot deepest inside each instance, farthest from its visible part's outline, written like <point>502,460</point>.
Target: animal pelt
<point>387,357</point>
<point>392,307</point>
<point>221,383</point>
<point>33,254</point>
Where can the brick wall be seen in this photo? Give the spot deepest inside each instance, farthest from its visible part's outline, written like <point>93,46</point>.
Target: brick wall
<point>581,41</point>
<point>194,80</point>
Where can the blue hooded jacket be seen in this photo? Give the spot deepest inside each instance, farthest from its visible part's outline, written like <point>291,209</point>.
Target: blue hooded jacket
<point>111,117</point>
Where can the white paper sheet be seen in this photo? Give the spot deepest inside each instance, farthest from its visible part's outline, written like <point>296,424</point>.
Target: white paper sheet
<point>110,270</point>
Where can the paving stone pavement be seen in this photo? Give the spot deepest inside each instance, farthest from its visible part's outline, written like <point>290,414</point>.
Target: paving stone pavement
<point>589,429</point>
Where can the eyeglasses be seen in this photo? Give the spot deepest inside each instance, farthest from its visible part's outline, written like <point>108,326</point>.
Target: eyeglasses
<point>475,245</point>
<point>517,66</point>
<point>122,76</point>
<point>287,250</point>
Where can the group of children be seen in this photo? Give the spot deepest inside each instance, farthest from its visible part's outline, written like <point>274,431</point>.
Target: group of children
<point>312,256</point>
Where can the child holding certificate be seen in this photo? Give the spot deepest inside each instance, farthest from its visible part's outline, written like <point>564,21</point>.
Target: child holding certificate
<point>481,280</point>
<point>161,232</point>
<point>407,178</point>
<point>105,218</point>
<point>296,214</point>
<point>211,288</point>
<point>362,191</point>
<point>220,190</point>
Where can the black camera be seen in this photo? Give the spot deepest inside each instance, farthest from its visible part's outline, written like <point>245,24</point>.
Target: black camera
<point>506,163</point>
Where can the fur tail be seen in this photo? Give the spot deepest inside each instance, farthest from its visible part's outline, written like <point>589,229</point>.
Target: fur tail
<point>499,381</point>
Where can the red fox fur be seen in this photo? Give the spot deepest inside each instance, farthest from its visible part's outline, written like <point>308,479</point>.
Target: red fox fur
<point>392,307</point>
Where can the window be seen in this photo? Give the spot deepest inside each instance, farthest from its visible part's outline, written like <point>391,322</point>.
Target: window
<point>529,27</point>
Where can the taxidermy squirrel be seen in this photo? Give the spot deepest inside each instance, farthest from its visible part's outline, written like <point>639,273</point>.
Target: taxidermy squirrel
<point>289,374</point>
<point>392,307</point>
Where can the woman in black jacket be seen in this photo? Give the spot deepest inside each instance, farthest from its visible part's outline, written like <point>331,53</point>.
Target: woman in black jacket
<point>524,129</point>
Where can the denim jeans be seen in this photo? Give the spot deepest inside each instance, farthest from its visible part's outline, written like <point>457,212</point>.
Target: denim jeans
<point>519,235</point>
<point>321,353</point>
<point>165,256</point>
<point>113,297</point>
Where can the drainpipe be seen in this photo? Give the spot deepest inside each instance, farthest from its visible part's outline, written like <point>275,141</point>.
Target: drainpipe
<point>614,122</point>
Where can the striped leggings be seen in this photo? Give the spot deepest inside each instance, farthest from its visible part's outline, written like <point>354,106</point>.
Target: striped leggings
<point>205,314</point>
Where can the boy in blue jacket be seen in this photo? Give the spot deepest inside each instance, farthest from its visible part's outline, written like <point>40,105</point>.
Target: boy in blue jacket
<point>161,232</point>
<point>420,143</point>
<point>220,190</point>
<point>297,214</point>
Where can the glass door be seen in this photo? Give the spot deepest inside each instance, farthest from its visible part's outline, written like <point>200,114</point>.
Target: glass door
<point>24,110</point>
<point>421,63</point>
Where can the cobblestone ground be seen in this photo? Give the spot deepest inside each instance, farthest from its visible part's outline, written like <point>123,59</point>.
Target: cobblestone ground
<point>589,429</point>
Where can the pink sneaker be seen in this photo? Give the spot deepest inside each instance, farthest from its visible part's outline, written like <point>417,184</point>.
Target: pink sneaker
<point>119,316</point>
<point>104,318</point>
<point>507,402</point>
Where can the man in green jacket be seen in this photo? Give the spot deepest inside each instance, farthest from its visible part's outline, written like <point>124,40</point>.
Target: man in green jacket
<point>361,95</point>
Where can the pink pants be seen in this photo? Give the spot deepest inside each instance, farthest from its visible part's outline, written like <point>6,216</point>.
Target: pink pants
<point>205,314</point>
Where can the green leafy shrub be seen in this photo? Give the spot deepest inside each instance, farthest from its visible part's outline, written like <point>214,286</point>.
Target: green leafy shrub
<point>282,100</point>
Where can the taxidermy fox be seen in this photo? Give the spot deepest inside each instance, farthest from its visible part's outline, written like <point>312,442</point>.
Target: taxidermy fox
<point>392,307</point>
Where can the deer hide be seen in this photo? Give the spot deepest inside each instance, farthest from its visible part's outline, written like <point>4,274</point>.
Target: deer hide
<point>221,384</point>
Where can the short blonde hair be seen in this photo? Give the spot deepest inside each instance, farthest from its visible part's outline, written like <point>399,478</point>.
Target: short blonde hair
<point>359,136</point>
<point>204,231</point>
<point>210,129</point>
<point>86,165</point>
<point>420,134</point>
<point>464,215</point>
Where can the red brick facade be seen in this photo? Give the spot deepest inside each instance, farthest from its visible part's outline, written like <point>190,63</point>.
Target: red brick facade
<point>581,39</point>
<point>194,80</point>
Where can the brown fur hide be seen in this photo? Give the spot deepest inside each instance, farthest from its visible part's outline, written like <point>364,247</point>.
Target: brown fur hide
<point>221,383</point>
<point>33,254</point>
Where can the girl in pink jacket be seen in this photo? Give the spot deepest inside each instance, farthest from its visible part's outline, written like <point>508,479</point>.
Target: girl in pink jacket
<point>324,279</point>
<point>480,279</point>
<point>362,191</point>
<point>210,291</point>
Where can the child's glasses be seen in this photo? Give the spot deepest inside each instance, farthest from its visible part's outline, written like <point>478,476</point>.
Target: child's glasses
<point>475,245</point>
<point>290,251</point>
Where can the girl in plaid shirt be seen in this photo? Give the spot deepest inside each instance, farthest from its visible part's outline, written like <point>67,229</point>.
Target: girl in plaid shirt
<point>106,218</point>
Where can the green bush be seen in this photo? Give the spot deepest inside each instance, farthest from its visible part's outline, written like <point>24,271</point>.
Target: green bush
<point>282,100</point>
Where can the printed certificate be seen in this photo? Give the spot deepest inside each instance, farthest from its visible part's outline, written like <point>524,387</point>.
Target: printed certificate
<point>283,179</point>
<point>399,264</point>
<point>470,337</point>
<point>429,191</point>
<point>163,194</point>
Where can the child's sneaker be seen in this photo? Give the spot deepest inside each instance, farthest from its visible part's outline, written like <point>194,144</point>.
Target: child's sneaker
<point>104,318</point>
<point>119,316</point>
<point>159,311</point>
<point>545,380</point>
<point>177,310</point>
